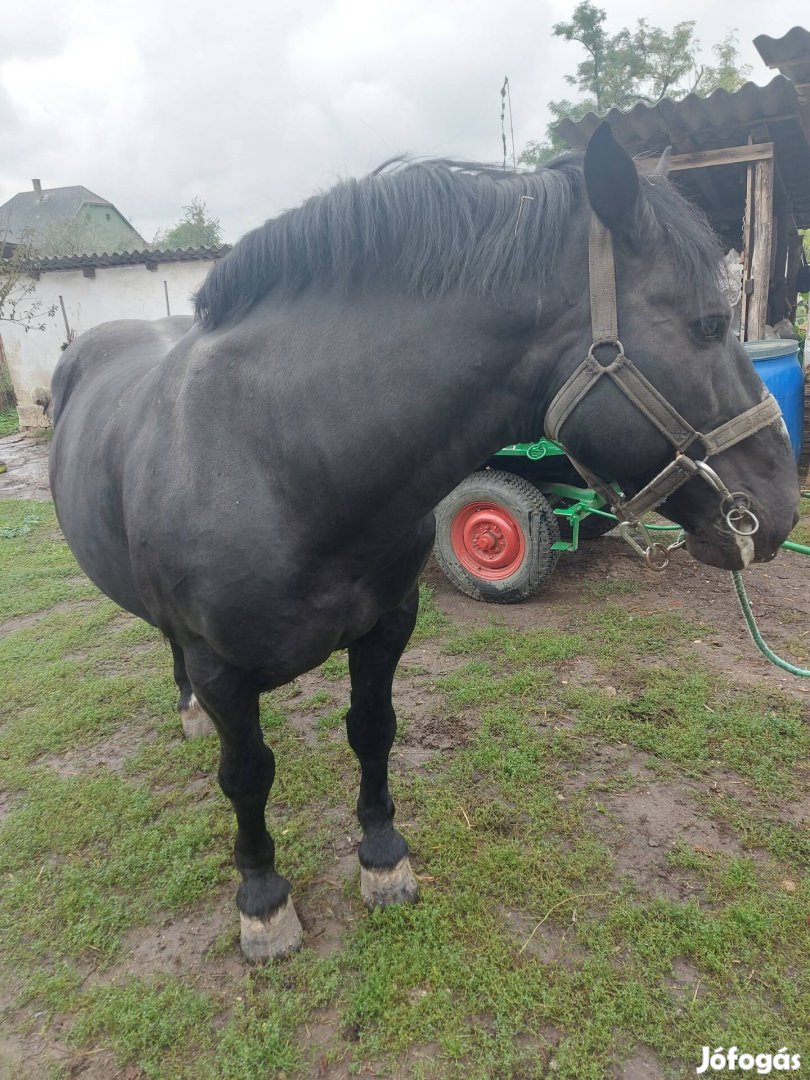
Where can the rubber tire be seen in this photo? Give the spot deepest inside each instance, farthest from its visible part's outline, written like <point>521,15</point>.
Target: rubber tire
<point>532,513</point>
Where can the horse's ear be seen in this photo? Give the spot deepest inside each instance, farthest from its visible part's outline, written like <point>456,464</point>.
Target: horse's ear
<point>611,181</point>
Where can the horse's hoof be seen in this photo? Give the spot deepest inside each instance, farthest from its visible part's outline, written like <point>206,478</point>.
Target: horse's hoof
<point>196,722</point>
<point>379,888</point>
<point>272,938</point>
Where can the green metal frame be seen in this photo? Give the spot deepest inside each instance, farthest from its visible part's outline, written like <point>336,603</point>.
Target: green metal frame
<point>580,502</point>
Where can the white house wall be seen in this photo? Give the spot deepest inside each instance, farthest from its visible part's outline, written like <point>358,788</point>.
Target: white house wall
<point>116,292</point>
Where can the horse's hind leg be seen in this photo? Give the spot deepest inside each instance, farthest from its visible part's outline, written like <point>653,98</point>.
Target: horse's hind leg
<point>194,719</point>
<point>270,926</point>
<point>385,871</point>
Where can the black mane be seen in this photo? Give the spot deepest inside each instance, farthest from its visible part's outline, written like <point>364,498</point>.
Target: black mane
<point>438,225</point>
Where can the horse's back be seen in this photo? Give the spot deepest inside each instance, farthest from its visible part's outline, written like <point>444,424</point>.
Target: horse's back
<point>112,357</point>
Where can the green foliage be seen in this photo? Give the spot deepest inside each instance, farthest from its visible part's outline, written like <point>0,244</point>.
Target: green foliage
<point>17,287</point>
<point>9,421</point>
<point>25,527</point>
<point>194,229</point>
<point>643,63</point>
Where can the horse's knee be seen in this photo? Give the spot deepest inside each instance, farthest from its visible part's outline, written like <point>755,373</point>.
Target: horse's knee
<point>246,773</point>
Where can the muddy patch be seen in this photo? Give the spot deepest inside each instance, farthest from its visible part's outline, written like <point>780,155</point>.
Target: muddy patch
<point>111,754</point>
<point>5,805</point>
<point>550,942</point>
<point>24,622</point>
<point>642,827</point>
<point>643,1065</point>
<point>203,943</point>
<point>26,461</point>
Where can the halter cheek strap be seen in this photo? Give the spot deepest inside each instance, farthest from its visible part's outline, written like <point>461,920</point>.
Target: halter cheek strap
<point>652,404</point>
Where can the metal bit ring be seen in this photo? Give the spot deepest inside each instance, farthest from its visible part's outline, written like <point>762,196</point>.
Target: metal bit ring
<point>738,516</point>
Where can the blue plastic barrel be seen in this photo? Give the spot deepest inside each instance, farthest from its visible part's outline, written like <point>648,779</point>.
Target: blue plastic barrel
<point>777,364</point>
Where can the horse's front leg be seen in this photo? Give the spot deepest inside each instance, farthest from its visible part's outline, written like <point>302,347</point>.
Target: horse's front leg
<point>269,924</point>
<point>385,871</point>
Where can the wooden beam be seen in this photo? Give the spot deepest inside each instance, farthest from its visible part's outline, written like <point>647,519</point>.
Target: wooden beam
<point>763,243</point>
<point>701,159</point>
<point>703,179</point>
<point>747,251</point>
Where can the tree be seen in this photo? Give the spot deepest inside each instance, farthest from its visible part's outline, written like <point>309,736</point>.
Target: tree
<point>195,229</point>
<point>643,63</point>
<point>17,304</point>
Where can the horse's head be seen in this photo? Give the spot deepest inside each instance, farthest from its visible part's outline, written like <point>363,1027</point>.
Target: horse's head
<point>672,319</point>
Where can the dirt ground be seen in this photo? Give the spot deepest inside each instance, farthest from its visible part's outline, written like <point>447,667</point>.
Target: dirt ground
<point>26,461</point>
<point>639,824</point>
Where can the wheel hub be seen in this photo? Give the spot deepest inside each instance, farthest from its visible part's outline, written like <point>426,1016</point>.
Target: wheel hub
<point>487,540</point>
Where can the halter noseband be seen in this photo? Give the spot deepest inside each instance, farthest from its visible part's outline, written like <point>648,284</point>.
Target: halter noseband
<point>653,405</point>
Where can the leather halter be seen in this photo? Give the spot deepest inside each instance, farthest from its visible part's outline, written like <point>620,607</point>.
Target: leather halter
<point>653,405</point>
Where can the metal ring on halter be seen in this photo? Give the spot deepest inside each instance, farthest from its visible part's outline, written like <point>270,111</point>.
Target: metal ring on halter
<point>736,514</point>
<point>617,345</point>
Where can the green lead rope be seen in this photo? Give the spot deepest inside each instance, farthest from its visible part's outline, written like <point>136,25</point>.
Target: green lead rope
<point>742,596</point>
<point>753,629</point>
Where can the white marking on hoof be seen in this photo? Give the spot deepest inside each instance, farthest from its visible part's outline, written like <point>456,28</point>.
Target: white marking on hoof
<point>272,938</point>
<point>196,721</point>
<point>379,888</point>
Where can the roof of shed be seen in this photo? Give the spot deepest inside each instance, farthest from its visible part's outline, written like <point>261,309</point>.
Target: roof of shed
<point>789,53</point>
<point>55,206</point>
<point>129,258</point>
<point>773,113</point>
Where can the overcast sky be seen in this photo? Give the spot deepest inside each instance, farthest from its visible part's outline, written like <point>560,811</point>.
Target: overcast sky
<point>255,104</point>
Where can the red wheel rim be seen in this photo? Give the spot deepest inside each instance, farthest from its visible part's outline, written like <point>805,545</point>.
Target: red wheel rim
<point>487,540</point>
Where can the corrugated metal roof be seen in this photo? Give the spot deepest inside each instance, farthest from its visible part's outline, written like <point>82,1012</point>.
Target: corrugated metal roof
<point>129,258</point>
<point>789,53</point>
<point>772,113</point>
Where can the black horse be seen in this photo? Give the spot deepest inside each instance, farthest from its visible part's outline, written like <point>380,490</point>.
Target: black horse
<point>259,484</point>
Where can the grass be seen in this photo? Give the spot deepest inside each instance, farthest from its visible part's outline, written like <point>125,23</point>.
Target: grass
<point>801,534</point>
<point>530,954</point>
<point>9,421</point>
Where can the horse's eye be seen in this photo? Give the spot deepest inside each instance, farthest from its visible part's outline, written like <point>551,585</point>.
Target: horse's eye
<point>710,328</point>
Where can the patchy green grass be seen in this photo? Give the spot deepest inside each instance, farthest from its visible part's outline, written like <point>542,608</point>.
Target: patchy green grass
<point>531,952</point>
<point>9,421</point>
<point>801,534</point>
<point>685,714</point>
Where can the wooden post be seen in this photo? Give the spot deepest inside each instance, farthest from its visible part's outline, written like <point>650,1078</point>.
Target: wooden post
<point>763,243</point>
<point>747,283</point>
